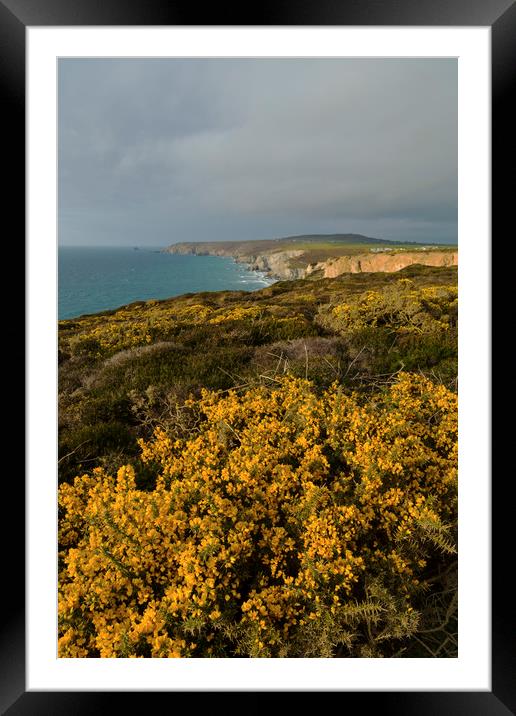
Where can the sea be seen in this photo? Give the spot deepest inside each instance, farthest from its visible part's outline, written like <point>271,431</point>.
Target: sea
<point>92,279</point>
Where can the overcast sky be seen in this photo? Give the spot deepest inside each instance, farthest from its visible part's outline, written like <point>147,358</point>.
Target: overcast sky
<point>154,151</point>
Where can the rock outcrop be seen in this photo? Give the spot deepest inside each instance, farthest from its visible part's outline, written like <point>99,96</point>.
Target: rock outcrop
<point>277,264</point>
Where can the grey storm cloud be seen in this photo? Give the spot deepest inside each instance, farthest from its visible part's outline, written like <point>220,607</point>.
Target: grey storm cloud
<point>159,150</point>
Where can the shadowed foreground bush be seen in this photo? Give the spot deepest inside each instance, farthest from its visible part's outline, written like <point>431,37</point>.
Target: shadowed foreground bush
<point>286,523</point>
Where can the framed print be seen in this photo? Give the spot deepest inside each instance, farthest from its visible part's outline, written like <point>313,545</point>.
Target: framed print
<point>65,68</point>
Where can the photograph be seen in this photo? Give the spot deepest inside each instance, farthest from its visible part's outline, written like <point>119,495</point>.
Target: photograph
<point>257,357</point>
<point>259,454</point>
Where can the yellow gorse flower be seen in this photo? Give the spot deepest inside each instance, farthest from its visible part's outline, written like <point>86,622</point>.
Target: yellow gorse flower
<point>265,524</point>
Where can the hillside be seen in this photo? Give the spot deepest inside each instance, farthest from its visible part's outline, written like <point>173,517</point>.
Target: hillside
<point>262,474</point>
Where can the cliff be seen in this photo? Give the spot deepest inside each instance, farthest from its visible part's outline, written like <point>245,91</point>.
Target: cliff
<point>276,265</point>
<point>298,263</point>
<point>386,262</point>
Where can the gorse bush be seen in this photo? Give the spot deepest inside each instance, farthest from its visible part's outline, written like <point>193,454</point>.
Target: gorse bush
<point>402,307</point>
<point>285,522</point>
<point>399,326</point>
<point>102,335</point>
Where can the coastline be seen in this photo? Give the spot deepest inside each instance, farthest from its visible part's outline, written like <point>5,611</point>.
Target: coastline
<point>292,264</point>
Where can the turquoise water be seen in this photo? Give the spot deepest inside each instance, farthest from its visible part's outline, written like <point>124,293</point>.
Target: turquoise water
<point>95,279</point>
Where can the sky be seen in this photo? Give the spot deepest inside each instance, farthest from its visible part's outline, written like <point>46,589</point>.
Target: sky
<point>161,150</point>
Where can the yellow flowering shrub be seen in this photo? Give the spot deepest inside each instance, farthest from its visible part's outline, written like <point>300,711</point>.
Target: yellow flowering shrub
<point>131,326</point>
<point>285,523</point>
<point>402,306</point>
<point>102,335</point>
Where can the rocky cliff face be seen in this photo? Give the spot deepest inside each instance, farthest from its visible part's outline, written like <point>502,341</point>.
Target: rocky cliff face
<point>275,264</point>
<point>387,262</point>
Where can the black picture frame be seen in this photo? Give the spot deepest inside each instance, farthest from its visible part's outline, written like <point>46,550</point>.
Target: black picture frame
<point>15,17</point>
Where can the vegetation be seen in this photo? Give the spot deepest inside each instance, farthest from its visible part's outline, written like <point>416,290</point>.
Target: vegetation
<point>262,474</point>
